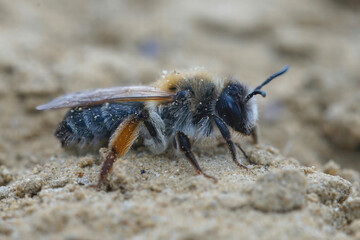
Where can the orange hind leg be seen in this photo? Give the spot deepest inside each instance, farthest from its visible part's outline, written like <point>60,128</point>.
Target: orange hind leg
<point>120,143</point>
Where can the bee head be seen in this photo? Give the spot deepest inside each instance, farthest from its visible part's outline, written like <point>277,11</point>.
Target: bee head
<point>233,108</point>
<point>237,107</point>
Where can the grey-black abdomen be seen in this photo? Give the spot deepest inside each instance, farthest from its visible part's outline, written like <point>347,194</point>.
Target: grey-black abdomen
<point>90,128</point>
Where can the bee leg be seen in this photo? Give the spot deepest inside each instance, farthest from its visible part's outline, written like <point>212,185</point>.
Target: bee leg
<point>255,133</point>
<point>106,168</point>
<point>226,135</point>
<point>120,142</point>
<point>242,150</point>
<point>153,135</point>
<point>185,146</point>
<point>255,139</point>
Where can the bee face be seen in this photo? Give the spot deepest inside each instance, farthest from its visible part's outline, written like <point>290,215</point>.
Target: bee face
<point>233,107</point>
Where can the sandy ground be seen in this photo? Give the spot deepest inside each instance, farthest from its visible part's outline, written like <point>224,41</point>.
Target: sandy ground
<point>304,180</point>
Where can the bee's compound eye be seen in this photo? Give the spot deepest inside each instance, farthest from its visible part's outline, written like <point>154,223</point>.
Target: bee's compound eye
<point>231,108</point>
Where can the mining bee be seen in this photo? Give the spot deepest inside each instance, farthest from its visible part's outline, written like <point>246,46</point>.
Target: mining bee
<point>182,108</point>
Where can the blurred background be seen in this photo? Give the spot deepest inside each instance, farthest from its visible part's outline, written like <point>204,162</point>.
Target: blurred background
<point>312,113</point>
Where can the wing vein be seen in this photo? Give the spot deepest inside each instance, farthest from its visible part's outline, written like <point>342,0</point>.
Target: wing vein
<point>115,94</point>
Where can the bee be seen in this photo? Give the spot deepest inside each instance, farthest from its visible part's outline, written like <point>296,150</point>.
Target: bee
<point>182,108</point>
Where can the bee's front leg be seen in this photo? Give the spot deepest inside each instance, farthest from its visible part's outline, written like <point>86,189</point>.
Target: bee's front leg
<point>242,150</point>
<point>183,142</point>
<point>226,135</point>
<point>255,134</point>
<point>255,139</point>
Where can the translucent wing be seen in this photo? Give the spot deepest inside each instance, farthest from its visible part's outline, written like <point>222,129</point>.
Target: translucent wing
<point>103,95</point>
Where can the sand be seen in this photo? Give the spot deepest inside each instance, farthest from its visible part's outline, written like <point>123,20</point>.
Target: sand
<point>303,180</point>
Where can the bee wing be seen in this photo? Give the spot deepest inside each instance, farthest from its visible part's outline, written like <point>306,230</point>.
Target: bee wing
<point>114,94</point>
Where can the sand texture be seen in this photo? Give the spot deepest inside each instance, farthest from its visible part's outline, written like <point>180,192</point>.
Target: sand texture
<point>303,180</point>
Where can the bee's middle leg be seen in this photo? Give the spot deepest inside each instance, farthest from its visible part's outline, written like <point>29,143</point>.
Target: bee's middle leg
<point>242,150</point>
<point>255,139</point>
<point>184,145</point>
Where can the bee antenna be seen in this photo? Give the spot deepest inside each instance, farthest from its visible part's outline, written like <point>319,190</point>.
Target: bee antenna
<point>262,93</point>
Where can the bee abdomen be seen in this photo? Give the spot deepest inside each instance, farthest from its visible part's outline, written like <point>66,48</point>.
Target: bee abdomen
<point>89,128</point>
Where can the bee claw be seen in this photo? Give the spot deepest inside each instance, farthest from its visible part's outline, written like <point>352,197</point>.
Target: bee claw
<point>208,176</point>
<point>97,186</point>
<point>242,165</point>
<point>243,152</point>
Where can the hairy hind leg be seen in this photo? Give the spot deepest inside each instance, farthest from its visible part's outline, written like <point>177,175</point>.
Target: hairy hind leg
<point>120,143</point>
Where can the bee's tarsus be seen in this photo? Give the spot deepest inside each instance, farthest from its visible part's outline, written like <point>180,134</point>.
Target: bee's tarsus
<point>210,177</point>
<point>243,166</point>
<point>242,150</point>
<point>106,167</point>
<point>226,135</point>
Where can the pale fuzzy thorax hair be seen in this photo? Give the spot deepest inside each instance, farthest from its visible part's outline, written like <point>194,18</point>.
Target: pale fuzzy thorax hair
<point>253,114</point>
<point>170,79</point>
